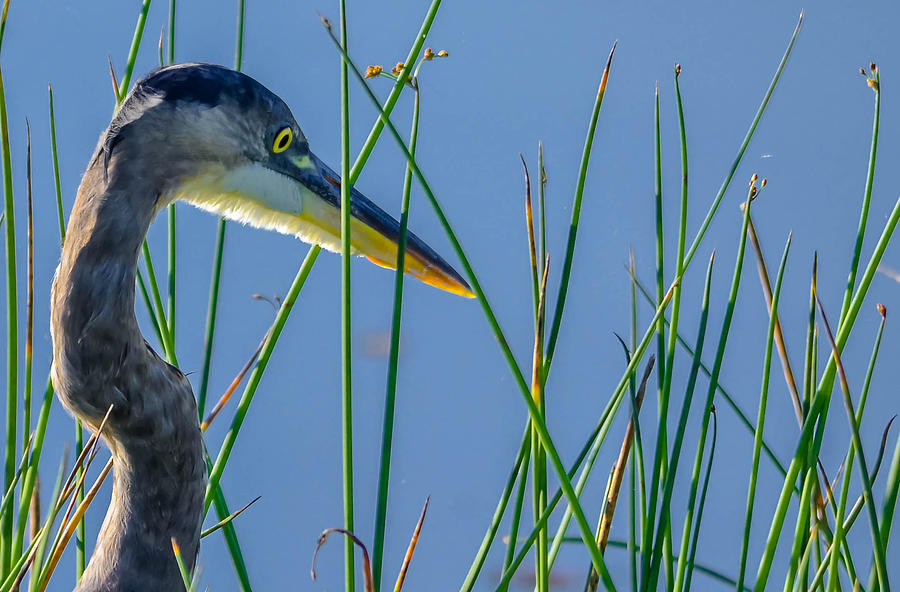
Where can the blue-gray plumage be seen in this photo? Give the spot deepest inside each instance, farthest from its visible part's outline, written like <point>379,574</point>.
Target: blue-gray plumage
<point>222,141</point>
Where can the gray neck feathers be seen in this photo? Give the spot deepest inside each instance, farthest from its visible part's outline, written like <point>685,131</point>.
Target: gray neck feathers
<point>101,359</point>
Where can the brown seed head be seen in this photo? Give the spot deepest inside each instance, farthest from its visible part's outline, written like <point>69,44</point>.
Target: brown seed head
<point>882,310</point>
<point>429,54</point>
<point>873,67</point>
<point>443,53</point>
<point>677,69</point>
<point>398,68</point>
<point>373,71</point>
<point>754,178</point>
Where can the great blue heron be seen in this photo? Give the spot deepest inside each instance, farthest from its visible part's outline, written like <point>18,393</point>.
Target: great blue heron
<point>220,140</point>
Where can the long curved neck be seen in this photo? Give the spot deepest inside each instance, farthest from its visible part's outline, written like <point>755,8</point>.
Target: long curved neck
<point>101,359</point>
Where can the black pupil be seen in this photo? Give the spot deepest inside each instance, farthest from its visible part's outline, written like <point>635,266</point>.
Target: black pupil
<point>282,142</point>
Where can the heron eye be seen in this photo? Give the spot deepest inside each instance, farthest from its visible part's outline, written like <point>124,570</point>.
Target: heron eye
<point>282,140</point>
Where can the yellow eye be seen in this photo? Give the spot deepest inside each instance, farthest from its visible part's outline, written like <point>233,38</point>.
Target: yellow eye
<point>282,140</point>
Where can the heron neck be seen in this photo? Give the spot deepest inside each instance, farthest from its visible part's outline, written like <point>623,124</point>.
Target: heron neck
<point>102,360</point>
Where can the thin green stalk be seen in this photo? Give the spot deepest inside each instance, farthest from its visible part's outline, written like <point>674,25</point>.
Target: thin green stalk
<point>516,514</point>
<point>151,312</point>
<point>532,249</point>
<point>306,266</point>
<point>171,45</point>
<point>877,546</point>
<point>746,142</point>
<point>651,570</point>
<point>29,294</point>
<point>346,347</point>
<point>125,83</point>
<point>598,436</point>
<point>576,214</point>
<point>800,536</point>
<point>696,538</point>
<point>53,149</point>
<point>80,532</point>
<point>172,252</point>
<point>729,399</point>
<point>393,362</point>
<point>533,410</point>
<point>839,531</point>
<point>667,354</point>
<point>239,41</point>
<point>12,362</point>
<point>271,339</point>
<point>704,569</point>
<point>539,477</point>
<point>54,509</point>
<point>633,525</point>
<point>28,483</point>
<point>888,507</point>
<point>218,256</point>
<point>659,468</point>
<point>165,330</point>
<point>488,539</point>
<point>182,568</point>
<point>170,210</point>
<point>761,416</point>
<point>542,186</point>
<point>710,395</point>
<point>804,563</point>
<point>590,448</point>
<point>809,377</point>
<point>820,402</point>
<point>230,534</point>
<point>875,84</point>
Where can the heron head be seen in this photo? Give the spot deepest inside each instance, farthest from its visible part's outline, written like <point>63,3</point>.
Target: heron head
<point>222,141</point>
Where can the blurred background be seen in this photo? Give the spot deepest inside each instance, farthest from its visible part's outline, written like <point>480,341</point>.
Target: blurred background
<point>518,72</point>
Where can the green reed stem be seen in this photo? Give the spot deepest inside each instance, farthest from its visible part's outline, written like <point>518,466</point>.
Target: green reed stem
<point>44,539</point>
<point>877,546</point>
<point>488,540</point>
<point>761,416</point>
<point>125,83</point>
<point>212,308</point>
<point>542,187</point>
<point>516,515</point>
<point>820,402</point>
<point>696,538</point>
<point>875,82</point>
<point>729,399</point>
<point>800,537</point>
<point>6,525</point>
<point>346,347</point>
<point>839,531</point>
<point>166,331</point>
<point>303,273</point>
<point>655,553</point>
<point>595,440</point>
<point>171,45</point>
<point>892,487</point>
<point>576,216</point>
<point>714,379</point>
<point>533,410</point>
<point>746,142</point>
<point>393,361</point>
<point>80,533</point>
<point>172,252</point>
<point>53,149</point>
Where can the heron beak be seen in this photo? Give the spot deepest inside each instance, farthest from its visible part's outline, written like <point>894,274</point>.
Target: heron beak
<point>374,233</point>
